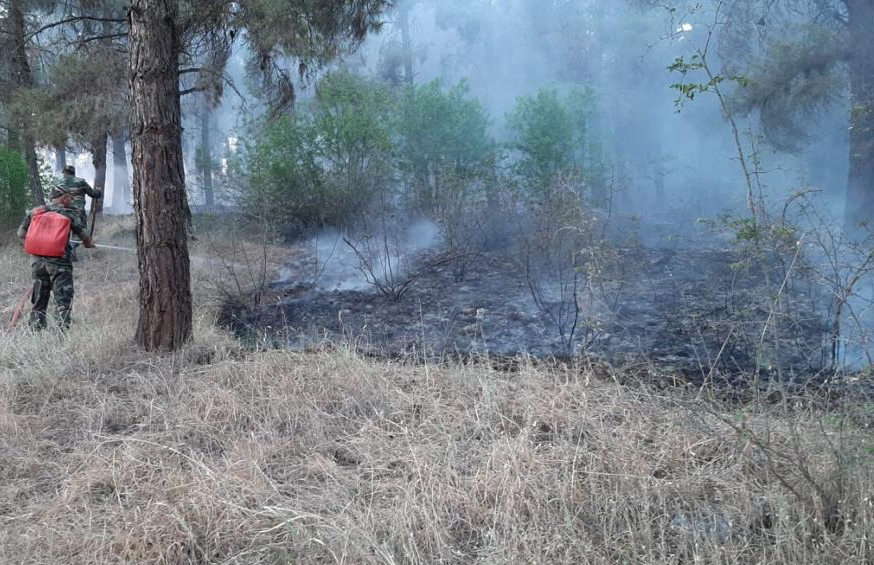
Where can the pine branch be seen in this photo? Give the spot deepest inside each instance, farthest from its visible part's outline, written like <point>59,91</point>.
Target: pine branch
<point>191,90</point>
<point>73,19</point>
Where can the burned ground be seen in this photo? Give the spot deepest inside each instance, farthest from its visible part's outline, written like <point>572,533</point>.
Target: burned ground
<point>691,312</point>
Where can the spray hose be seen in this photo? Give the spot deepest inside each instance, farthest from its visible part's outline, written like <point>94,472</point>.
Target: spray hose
<point>99,246</point>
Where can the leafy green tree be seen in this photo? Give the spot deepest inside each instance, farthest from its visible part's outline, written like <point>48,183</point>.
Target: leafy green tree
<point>550,137</point>
<point>353,141</point>
<point>284,183</point>
<point>73,92</point>
<point>327,162</point>
<point>444,146</point>
<point>17,78</point>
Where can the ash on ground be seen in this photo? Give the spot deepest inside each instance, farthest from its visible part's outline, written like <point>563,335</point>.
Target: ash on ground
<point>691,312</point>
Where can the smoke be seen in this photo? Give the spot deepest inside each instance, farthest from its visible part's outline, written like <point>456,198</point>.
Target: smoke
<point>389,252</point>
<point>669,164</point>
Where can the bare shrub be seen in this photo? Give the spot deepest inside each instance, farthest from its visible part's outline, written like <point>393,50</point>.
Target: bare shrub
<point>390,265</point>
<point>814,292</point>
<point>474,216</point>
<point>842,267</point>
<point>240,263</point>
<point>568,264</point>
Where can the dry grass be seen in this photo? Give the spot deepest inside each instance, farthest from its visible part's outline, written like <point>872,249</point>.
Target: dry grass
<point>218,456</point>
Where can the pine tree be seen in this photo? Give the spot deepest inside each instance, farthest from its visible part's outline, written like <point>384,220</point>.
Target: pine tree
<point>311,32</point>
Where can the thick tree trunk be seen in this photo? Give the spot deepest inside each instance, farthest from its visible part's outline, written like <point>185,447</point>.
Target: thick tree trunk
<point>121,190</point>
<point>98,153</point>
<point>860,183</point>
<point>206,157</point>
<point>22,139</point>
<point>60,158</point>
<point>36,192</point>
<point>160,203</point>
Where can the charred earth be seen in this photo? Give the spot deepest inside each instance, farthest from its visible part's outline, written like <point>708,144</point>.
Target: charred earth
<point>694,313</point>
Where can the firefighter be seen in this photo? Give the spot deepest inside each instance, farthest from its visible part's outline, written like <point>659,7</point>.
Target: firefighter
<point>79,187</point>
<point>46,235</point>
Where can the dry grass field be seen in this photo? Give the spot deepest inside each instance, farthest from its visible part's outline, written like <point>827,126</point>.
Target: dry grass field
<point>218,455</point>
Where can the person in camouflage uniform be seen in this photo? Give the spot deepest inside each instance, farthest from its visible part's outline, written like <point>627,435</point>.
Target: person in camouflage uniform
<point>79,188</point>
<point>55,274</point>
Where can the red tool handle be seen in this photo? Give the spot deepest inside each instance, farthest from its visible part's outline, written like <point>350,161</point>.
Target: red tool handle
<point>20,308</point>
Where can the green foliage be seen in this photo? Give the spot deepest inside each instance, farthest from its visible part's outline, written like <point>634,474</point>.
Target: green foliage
<point>758,241</point>
<point>358,144</point>
<point>688,90</point>
<point>342,151</point>
<point>307,31</point>
<point>285,182</point>
<point>793,81</point>
<point>326,164</point>
<point>13,187</point>
<point>352,141</point>
<point>550,136</point>
<point>84,98</point>
<point>443,143</point>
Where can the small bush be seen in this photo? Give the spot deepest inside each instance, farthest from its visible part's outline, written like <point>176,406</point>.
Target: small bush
<point>13,188</point>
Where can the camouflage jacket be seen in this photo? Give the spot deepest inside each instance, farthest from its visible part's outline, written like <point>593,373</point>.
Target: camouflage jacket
<point>79,188</point>
<point>76,226</point>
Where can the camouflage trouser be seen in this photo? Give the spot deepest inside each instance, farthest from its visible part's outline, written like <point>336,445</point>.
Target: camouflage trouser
<point>50,278</point>
<point>83,217</point>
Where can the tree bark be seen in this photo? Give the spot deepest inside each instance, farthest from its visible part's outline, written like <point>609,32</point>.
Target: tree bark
<point>206,156</point>
<point>22,77</point>
<point>60,158</point>
<point>860,183</point>
<point>160,203</point>
<point>601,117</point>
<point>98,153</point>
<point>406,42</point>
<point>121,190</point>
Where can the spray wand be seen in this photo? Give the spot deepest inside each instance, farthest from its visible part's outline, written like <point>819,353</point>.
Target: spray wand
<point>101,246</point>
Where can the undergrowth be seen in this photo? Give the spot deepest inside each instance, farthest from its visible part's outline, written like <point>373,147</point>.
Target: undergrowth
<point>216,455</point>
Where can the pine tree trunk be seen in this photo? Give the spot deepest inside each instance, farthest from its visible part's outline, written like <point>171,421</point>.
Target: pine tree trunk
<point>407,45</point>
<point>601,116</point>
<point>121,192</point>
<point>860,183</point>
<point>98,153</point>
<point>60,158</point>
<point>160,203</point>
<point>36,192</point>
<point>206,157</point>
<point>22,77</point>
